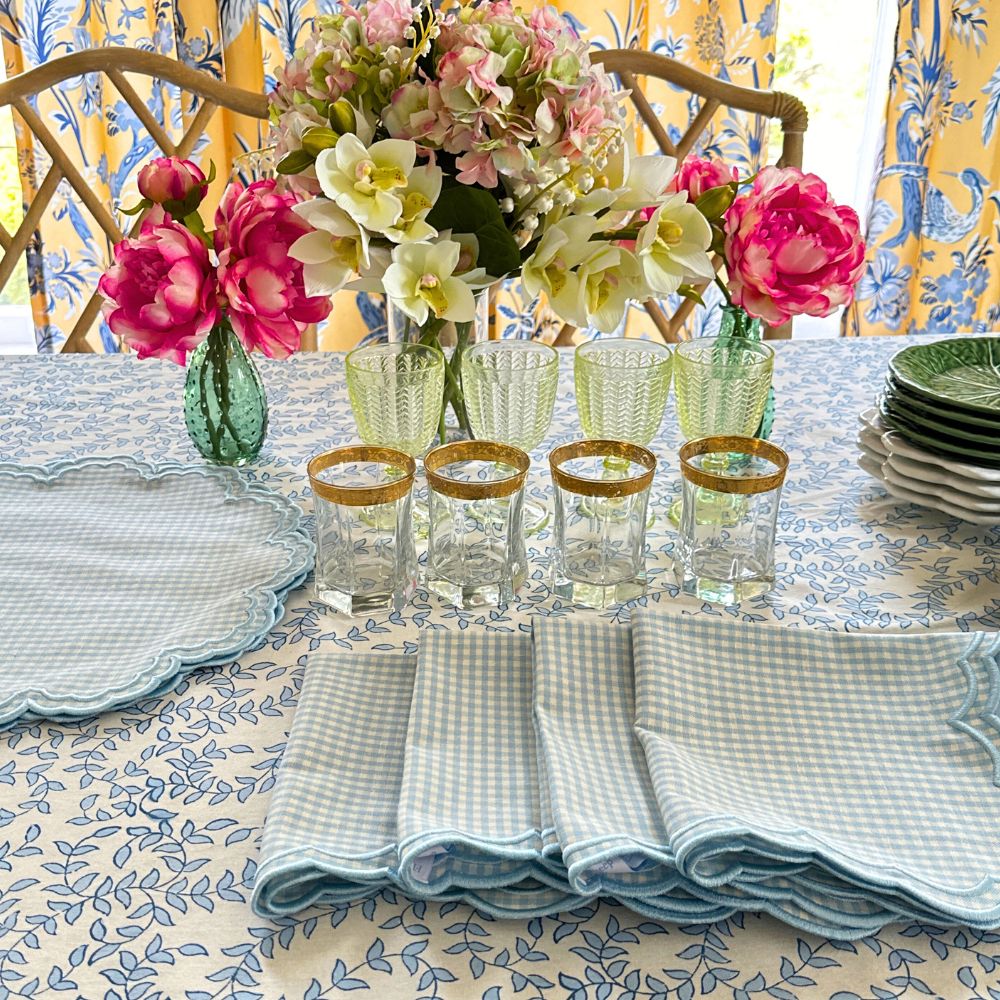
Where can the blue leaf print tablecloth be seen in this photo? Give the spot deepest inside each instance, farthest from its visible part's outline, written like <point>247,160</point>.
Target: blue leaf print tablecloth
<point>128,843</point>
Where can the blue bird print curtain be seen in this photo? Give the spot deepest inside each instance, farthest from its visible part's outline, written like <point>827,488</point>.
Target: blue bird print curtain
<point>934,225</point>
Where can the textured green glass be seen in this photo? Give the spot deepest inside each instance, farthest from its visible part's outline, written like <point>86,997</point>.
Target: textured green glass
<point>621,388</point>
<point>737,322</point>
<point>225,407</point>
<point>396,393</point>
<point>721,385</point>
<point>510,390</point>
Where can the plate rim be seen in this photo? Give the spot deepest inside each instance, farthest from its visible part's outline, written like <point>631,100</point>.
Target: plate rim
<point>945,345</point>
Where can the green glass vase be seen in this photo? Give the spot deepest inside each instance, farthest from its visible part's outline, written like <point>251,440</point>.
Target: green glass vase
<point>737,322</point>
<point>225,407</point>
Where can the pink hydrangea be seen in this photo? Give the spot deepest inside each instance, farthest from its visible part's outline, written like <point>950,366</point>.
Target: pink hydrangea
<point>262,286</point>
<point>698,174</point>
<point>386,22</point>
<point>161,294</point>
<point>790,249</point>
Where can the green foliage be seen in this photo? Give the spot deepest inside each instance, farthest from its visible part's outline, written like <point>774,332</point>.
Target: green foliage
<point>474,210</point>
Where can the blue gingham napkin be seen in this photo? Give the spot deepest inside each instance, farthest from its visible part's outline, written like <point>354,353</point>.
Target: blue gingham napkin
<point>330,834</point>
<point>473,810</point>
<point>851,767</point>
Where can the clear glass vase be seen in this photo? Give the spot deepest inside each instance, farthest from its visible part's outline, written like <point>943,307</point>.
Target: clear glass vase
<point>225,407</point>
<point>453,339</point>
<point>737,322</point>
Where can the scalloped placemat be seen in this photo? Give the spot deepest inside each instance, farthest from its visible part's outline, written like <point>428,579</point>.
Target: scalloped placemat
<point>118,576</point>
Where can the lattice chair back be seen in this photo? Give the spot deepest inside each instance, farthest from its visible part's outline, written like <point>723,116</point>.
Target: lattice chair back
<point>709,96</point>
<point>206,95</point>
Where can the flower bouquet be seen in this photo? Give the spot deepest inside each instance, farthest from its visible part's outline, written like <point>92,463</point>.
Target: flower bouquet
<point>167,297</point>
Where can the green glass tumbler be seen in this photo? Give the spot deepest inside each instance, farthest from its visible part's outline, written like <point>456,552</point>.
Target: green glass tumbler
<point>622,386</point>
<point>396,393</point>
<point>510,393</point>
<point>225,408</point>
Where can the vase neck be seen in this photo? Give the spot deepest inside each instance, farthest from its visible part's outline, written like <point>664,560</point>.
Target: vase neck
<point>737,322</point>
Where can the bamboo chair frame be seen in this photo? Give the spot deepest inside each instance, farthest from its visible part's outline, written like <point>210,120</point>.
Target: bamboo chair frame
<point>114,63</point>
<point>627,64</point>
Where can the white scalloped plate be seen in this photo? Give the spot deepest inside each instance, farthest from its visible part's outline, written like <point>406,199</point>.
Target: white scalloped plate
<point>118,576</point>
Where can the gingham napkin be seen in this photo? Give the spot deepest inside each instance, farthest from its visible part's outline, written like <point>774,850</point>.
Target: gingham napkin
<point>849,766</point>
<point>330,834</point>
<point>473,810</point>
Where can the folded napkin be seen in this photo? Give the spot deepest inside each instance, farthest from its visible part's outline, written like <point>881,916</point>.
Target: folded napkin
<point>473,811</point>
<point>605,812</point>
<point>330,834</point>
<point>835,766</point>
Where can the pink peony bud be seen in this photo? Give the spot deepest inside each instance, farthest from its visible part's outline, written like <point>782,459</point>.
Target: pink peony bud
<point>161,293</point>
<point>790,250</point>
<point>698,175</point>
<point>168,180</point>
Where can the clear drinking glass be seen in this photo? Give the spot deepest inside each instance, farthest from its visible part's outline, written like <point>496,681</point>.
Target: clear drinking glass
<point>510,391</point>
<point>599,550</point>
<point>366,559</point>
<point>475,545</point>
<point>729,558</point>
<point>396,391</point>
<point>622,386</point>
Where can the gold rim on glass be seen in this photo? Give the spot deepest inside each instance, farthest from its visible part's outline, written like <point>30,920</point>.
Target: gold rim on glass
<point>764,353</point>
<point>739,445</point>
<point>476,451</point>
<point>602,487</point>
<point>362,496</point>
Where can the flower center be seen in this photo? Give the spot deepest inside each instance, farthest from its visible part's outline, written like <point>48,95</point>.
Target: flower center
<point>429,288</point>
<point>370,177</point>
<point>669,233</point>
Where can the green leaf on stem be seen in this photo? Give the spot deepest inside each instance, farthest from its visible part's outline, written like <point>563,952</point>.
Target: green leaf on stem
<point>690,292</point>
<point>465,209</point>
<point>295,162</point>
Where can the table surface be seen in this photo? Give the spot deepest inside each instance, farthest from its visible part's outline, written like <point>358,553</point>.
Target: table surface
<point>128,842</point>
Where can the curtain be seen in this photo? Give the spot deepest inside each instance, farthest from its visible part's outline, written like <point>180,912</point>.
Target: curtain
<point>934,223</point>
<point>242,41</point>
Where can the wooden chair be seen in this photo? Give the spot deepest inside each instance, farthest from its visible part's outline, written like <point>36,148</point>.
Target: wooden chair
<point>114,63</point>
<point>627,65</point>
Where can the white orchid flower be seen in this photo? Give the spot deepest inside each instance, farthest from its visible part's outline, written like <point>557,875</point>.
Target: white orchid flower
<point>338,249</point>
<point>368,183</point>
<point>645,183</point>
<point>550,268</point>
<point>421,281</point>
<point>673,246</point>
<point>419,196</point>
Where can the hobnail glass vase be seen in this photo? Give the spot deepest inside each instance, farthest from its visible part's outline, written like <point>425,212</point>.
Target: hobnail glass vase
<point>225,407</point>
<point>737,322</point>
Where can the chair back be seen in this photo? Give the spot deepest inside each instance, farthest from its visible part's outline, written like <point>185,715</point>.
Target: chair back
<point>206,93</point>
<point>630,64</point>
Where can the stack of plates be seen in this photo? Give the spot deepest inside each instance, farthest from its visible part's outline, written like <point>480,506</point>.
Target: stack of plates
<point>944,397</point>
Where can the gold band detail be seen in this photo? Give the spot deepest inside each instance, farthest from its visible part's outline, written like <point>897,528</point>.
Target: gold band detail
<point>362,496</point>
<point>602,487</point>
<point>739,445</point>
<point>476,451</point>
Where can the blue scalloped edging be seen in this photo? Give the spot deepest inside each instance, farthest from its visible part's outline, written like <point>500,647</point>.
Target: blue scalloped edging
<point>161,671</point>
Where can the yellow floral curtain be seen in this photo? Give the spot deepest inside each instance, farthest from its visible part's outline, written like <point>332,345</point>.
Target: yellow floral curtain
<point>934,225</point>
<point>243,41</point>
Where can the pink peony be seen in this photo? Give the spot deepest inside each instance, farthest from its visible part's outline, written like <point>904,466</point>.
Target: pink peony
<point>790,250</point>
<point>161,292</point>
<point>698,175</point>
<point>261,285</point>
<point>167,179</point>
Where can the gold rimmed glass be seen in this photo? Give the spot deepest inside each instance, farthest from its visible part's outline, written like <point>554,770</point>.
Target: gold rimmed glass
<point>510,392</point>
<point>475,547</point>
<point>601,489</point>
<point>729,559</point>
<point>366,559</point>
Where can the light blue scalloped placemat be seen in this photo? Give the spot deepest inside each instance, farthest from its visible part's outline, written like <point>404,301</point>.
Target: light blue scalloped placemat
<point>118,576</point>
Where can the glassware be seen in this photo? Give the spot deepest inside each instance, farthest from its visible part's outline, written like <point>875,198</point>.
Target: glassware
<point>475,546</point>
<point>366,559</point>
<point>721,385</point>
<point>510,391</point>
<point>396,392</point>
<point>599,549</point>
<point>225,408</point>
<point>737,322</point>
<point>622,386</point>
<point>729,558</point>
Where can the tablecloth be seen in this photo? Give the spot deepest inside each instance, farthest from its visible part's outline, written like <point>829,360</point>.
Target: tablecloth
<point>128,842</point>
